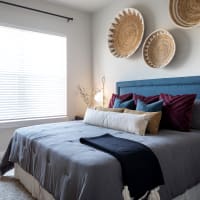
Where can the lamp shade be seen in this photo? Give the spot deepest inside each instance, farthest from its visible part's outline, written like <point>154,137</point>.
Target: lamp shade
<point>99,97</point>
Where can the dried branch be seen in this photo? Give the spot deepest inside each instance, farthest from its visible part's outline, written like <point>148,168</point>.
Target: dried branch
<point>87,97</point>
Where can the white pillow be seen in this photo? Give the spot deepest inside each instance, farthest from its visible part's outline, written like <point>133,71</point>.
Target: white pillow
<point>132,123</point>
<point>95,117</point>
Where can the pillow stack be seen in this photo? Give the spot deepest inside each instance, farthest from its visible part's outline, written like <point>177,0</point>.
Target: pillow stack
<point>136,104</point>
<point>176,110</point>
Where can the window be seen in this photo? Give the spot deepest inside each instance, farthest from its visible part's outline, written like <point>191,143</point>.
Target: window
<point>32,74</point>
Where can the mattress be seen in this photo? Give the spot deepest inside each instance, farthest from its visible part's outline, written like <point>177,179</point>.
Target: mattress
<point>46,150</point>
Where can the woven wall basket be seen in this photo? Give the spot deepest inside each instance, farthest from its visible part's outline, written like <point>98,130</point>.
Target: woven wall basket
<point>159,48</point>
<point>185,13</point>
<point>126,33</point>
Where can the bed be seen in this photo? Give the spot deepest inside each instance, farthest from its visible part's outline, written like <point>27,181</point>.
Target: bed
<point>92,174</point>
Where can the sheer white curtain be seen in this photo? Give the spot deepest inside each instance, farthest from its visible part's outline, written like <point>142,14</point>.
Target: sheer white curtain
<point>32,74</point>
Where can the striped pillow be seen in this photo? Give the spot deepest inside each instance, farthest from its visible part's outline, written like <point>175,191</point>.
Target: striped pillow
<point>177,111</point>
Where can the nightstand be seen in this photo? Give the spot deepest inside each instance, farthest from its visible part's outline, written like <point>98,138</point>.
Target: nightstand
<point>78,117</point>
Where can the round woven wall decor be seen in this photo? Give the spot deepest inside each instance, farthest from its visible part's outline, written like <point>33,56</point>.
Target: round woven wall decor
<point>159,48</point>
<point>185,13</point>
<point>126,33</point>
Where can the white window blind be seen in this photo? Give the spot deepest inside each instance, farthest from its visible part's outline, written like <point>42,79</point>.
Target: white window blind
<point>32,74</point>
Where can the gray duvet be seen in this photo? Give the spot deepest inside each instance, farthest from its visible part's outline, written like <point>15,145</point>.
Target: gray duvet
<point>70,170</point>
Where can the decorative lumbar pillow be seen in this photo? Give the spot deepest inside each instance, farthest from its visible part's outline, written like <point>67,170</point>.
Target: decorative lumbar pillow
<point>95,117</point>
<point>145,99</point>
<point>120,110</point>
<point>152,107</point>
<point>132,123</point>
<point>196,115</point>
<point>123,97</point>
<point>177,111</point>
<point>154,121</point>
<point>124,104</point>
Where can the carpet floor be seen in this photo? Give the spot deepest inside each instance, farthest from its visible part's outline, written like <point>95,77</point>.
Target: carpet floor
<point>12,189</point>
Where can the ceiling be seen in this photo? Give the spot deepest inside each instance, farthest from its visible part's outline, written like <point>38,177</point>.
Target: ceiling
<point>84,5</point>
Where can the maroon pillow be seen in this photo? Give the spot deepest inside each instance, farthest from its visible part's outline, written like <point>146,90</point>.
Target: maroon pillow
<point>145,99</point>
<point>177,111</point>
<point>123,97</point>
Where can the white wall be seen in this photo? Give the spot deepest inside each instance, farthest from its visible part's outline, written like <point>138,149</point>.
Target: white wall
<point>185,63</point>
<point>79,40</point>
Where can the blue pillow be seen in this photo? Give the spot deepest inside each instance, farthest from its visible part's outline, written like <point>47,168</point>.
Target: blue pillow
<point>152,107</point>
<point>123,104</point>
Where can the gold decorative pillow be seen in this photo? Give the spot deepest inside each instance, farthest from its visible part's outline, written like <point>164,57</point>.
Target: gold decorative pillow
<point>110,109</point>
<point>154,122</point>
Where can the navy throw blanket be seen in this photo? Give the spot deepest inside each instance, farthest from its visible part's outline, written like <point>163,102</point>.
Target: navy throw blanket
<point>141,170</point>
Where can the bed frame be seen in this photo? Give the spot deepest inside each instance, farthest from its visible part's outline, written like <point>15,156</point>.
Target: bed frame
<point>178,85</point>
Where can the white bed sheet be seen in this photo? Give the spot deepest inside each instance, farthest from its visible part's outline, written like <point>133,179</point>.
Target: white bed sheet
<point>38,192</point>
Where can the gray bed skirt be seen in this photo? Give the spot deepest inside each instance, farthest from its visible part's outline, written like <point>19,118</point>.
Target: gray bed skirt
<point>39,193</point>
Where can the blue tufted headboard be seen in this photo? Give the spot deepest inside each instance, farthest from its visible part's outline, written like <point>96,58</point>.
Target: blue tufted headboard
<point>179,85</point>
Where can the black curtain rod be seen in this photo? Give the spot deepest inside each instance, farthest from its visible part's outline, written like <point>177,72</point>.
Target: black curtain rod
<point>36,10</point>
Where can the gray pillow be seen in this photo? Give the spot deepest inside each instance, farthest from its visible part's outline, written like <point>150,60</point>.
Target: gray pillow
<point>196,115</point>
